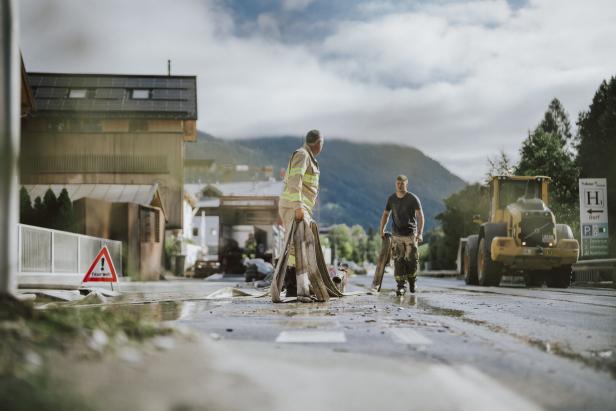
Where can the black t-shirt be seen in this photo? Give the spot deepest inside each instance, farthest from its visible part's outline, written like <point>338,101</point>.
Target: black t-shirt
<point>403,212</point>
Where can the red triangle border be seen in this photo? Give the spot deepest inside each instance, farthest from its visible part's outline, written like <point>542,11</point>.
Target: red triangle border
<point>104,252</point>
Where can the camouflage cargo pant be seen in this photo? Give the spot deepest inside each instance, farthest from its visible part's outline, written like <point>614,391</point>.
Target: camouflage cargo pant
<point>406,259</point>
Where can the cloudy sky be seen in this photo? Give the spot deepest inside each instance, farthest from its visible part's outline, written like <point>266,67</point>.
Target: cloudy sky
<point>460,80</point>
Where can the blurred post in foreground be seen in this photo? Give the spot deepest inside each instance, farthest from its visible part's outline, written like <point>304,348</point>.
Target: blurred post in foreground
<point>9,145</point>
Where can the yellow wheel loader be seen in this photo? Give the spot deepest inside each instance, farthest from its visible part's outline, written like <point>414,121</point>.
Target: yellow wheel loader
<point>521,237</point>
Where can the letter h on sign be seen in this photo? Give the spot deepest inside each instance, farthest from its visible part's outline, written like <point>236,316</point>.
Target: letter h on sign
<point>594,198</point>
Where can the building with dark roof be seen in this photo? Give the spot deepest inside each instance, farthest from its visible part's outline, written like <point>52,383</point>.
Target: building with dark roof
<point>110,129</point>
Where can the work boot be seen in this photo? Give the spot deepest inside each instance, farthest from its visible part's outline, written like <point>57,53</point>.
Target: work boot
<point>412,286</point>
<point>401,290</point>
<point>290,282</point>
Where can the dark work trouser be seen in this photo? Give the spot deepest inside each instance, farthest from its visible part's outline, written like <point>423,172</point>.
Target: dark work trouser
<point>406,259</point>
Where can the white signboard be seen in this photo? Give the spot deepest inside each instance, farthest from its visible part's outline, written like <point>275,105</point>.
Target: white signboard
<point>593,216</point>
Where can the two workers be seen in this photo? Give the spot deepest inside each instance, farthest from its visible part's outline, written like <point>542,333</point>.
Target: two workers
<point>299,198</point>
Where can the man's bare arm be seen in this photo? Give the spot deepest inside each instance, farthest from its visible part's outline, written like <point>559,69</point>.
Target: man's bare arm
<point>384,219</point>
<point>420,224</point>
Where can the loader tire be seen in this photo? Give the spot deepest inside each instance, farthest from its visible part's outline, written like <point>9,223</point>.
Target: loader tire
<point>560,277</point>
<point>470,260</point>
<point>534,278</point>
<point>489,272</point>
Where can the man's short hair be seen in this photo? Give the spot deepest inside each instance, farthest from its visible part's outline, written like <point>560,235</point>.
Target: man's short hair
<point>313,136</point>
<point>402,177</point>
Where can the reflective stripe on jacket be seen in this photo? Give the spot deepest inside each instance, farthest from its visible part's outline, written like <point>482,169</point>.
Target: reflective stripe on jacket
<point>301,182</point>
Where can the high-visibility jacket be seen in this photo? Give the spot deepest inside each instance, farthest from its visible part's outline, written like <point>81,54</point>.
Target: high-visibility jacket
<point>301,182</point>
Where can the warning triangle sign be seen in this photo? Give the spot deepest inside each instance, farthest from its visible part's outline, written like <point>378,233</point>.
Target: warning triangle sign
<point>102,269</point>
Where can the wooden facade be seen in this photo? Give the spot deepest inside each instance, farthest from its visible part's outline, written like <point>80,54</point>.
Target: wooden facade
<point>106,136</point>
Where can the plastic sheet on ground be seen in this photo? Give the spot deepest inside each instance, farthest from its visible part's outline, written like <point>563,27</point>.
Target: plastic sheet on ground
<point>230,292</point>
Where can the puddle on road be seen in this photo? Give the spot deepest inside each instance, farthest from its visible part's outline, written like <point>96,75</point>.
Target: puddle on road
<point>160,310</point>
<point>301,312</point>
<point>414,300</point>
<point>434,310</point>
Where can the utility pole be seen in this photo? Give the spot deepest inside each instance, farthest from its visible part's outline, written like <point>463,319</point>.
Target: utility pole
<point>10,73</point>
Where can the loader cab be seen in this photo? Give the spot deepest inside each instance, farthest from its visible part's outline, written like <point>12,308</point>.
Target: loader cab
<point>528,192</point>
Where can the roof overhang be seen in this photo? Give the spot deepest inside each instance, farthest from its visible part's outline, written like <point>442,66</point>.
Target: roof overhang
<point>142,194</point>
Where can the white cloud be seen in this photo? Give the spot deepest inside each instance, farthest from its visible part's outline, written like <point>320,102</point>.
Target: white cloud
<point>458,81</point>
<point>487,12</point>
<point>296,5</point>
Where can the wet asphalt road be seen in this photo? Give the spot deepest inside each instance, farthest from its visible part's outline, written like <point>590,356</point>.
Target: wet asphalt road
<point>554,348</point>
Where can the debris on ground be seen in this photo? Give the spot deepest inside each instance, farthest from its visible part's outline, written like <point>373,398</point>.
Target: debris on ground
<point>94,297</point>
<point>262,283</point>
<point>56,295</point>
<point>257,269</point>
<point>228,292</point>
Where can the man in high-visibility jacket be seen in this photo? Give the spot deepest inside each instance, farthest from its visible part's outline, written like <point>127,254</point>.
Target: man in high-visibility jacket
<point>299,196</point>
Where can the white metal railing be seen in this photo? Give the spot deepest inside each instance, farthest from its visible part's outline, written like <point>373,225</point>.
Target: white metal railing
<point>43,250</point>
<point>595,270</point>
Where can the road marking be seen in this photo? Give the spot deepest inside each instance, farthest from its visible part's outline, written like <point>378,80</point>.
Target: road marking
<point>477,391</point>
<point>311,337</point>
<point>408,336</point>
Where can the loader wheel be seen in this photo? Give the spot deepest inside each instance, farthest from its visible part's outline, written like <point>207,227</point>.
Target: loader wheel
<point>489,272</point>
<point>470,260</point>
<point>560,277</point>
<point>534,278</point>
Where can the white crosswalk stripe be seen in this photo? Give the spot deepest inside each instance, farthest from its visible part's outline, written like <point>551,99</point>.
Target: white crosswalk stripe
<point>408,336</point>
<point>471,386</point>
<point>311,337</point>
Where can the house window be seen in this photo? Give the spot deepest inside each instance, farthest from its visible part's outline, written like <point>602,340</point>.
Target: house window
<point>195,232</point>
<point>140,94</point>
<point>78,93</point>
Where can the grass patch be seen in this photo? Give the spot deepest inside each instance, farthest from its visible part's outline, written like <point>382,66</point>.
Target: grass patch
<point>30,336</point>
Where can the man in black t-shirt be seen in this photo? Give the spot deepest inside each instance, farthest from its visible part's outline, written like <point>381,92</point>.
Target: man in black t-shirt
<point>408,223</point>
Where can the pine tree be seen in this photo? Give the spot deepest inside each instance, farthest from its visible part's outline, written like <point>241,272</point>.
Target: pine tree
<point>544,153</point>
<point>65,219</point>
<point>556,121</point>
<point>38,217</point>
<point>50,207</point>
<point>547,152</point>
<point>26,212</point>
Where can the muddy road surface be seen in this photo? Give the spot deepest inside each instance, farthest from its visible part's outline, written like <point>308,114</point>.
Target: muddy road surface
<point>448,346</point>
